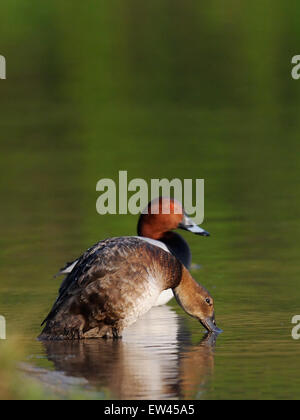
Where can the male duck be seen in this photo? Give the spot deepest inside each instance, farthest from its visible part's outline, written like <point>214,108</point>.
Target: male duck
<point>156,224</point>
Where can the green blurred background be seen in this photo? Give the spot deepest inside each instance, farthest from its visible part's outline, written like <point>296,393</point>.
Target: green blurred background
<point>165,88</point>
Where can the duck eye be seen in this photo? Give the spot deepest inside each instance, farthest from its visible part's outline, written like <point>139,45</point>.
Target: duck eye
<point>208,301</point>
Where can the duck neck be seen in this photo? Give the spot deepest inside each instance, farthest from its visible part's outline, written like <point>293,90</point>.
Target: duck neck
<point>148,230</point>
<point>174,242</point>
<point>186,291</point>
<point>178,247</point>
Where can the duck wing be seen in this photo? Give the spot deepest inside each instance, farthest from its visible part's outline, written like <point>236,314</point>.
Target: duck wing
<point>87,265</point>
<point>67,268</point>
<point>115,277</point>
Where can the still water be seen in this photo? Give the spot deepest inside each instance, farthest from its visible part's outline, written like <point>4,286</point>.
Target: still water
<point>147,364</point>
<point>78,106</point>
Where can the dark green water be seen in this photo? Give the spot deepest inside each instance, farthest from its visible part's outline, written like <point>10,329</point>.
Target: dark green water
<point>160,89</point>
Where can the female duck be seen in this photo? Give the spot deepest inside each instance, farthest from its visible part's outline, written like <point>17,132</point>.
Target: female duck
<point>156,225</point>
<point>116,282</point>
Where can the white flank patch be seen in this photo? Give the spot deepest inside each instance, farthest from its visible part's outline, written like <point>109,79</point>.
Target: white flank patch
<point>164,297</point>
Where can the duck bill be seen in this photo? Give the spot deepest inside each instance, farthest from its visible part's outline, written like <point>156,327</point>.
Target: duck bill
<point>210,325</point>
<point>190,225</point>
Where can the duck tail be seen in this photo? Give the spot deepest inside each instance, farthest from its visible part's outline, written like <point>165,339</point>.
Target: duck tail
<point>63,328</point>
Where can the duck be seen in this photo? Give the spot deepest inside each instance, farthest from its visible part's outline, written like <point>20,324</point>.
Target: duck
<point>156,224</point>
<point>116,282</point>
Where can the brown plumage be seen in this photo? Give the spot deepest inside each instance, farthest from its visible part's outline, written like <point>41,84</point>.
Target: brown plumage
<point>114,283</point>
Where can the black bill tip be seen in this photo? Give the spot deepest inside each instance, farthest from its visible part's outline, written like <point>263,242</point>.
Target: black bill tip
<point>211,326</point>
<point>204,233</point>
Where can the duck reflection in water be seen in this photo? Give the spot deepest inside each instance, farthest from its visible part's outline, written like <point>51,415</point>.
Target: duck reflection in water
<point>155,359</point>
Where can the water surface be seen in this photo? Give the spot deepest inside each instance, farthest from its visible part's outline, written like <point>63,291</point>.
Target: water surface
<point>172,90</point>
